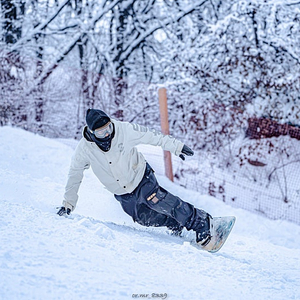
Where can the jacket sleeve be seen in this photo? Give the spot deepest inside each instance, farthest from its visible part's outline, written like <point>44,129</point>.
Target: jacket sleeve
<point>144,135</point>
<point>79,163</point>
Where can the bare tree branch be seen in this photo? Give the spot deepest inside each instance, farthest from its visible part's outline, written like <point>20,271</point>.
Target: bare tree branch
<point>78,37</point>
<point>121,57</point>
<point>39,28</point>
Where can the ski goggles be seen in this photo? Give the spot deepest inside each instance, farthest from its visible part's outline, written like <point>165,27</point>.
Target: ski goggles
<point>104,131</point>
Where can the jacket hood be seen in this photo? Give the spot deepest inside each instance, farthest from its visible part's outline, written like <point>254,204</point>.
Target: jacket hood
<point>87,134</point>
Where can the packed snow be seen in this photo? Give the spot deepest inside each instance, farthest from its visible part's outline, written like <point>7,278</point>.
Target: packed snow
<point>99,253</point>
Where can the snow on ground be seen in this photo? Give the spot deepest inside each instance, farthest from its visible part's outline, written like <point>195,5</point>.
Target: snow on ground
<point>99,253</point>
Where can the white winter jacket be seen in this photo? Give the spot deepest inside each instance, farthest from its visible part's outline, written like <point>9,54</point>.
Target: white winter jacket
<point>120,169</point>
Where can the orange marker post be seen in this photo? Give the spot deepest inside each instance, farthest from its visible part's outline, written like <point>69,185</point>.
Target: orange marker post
<point>164,121</point>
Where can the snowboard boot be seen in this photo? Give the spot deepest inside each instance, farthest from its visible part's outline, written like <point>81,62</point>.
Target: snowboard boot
<point>205,237</point>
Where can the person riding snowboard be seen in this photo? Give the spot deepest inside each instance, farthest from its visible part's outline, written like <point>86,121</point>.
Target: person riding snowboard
<point>108,146</point>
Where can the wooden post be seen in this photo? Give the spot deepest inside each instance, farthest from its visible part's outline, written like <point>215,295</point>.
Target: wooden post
<point>164,121</point>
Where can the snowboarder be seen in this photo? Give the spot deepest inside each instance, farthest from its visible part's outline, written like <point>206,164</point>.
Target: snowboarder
<point>108,146</point>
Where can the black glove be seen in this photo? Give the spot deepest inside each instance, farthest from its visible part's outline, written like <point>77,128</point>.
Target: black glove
<point>187,151</point>
<point>62,211</point>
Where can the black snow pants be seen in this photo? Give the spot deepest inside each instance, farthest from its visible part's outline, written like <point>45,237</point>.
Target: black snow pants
<point>151,205</point>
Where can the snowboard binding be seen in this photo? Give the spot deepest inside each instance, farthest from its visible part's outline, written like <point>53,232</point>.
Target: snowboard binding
<point>219,230</point>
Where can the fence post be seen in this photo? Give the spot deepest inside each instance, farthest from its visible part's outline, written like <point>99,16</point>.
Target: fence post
<point>164,122</point>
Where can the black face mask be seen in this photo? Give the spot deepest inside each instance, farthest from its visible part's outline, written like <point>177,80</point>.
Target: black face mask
<point>103,144</point>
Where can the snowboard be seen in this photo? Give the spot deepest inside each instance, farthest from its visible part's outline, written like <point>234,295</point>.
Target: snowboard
<point>221,229</point>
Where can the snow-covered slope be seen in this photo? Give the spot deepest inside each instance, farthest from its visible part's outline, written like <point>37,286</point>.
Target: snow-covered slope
<point>99,253</point>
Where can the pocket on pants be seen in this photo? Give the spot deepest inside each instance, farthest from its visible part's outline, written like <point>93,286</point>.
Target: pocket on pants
<point>156,196</point>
